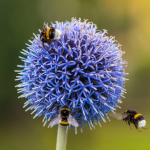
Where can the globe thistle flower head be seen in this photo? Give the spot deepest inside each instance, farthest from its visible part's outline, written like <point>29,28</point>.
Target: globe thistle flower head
<point>83,70</point>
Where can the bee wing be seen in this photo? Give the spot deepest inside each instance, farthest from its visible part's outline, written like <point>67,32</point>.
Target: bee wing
<point>118,116</point>
<point>124,115</point>
<point>72,121</point>
<point>55,121</point>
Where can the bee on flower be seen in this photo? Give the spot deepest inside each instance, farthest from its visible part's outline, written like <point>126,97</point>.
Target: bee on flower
<point>82,72</point>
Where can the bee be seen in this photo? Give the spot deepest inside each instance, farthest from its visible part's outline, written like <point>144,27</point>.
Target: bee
<point>131,116</point>
<point>64,118</point>
<point>49,34</point>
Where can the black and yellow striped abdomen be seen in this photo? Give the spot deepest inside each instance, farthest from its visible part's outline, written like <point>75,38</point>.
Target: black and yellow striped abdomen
<point>64,123</point>
<point>138,117</point>
<point>65,111</point>
<point>50,33</point>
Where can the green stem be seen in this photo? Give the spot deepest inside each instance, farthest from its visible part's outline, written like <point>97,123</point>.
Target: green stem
<point>61,137</point>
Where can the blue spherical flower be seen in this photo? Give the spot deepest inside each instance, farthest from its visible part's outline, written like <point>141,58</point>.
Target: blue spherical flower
<point>83,70</point>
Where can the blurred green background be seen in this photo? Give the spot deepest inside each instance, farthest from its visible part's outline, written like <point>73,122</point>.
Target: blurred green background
<point>128,21</point>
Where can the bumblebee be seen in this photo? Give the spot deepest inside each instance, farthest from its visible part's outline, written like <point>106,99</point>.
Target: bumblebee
<point>64,118</point>
<point>131,116</point>
<point>49,34</point>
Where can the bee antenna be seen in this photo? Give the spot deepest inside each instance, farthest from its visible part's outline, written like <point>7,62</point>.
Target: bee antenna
<point>43,25</point>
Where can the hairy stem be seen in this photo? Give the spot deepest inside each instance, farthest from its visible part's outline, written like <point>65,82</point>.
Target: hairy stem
<point>61,137</point>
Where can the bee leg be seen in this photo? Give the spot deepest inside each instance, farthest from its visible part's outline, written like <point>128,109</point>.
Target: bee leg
<point>137,128</point>
<point>57,109</point>
<point>129,125</point>
<point>55,40</point>
<point>125,121</point>
<point>43,45</point>
<point>145,128</point>
<point>60,40</point>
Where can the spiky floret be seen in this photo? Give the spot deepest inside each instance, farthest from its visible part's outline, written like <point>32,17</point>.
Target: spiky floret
<point>83,70</point>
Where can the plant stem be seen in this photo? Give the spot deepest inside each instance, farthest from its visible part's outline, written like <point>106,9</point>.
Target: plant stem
<point>61,137</point>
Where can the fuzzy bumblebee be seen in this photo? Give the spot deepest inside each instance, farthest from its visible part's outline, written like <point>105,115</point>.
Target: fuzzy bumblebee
<point>131,117</point>
<point>49,34</point>
<point>64,118</point>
